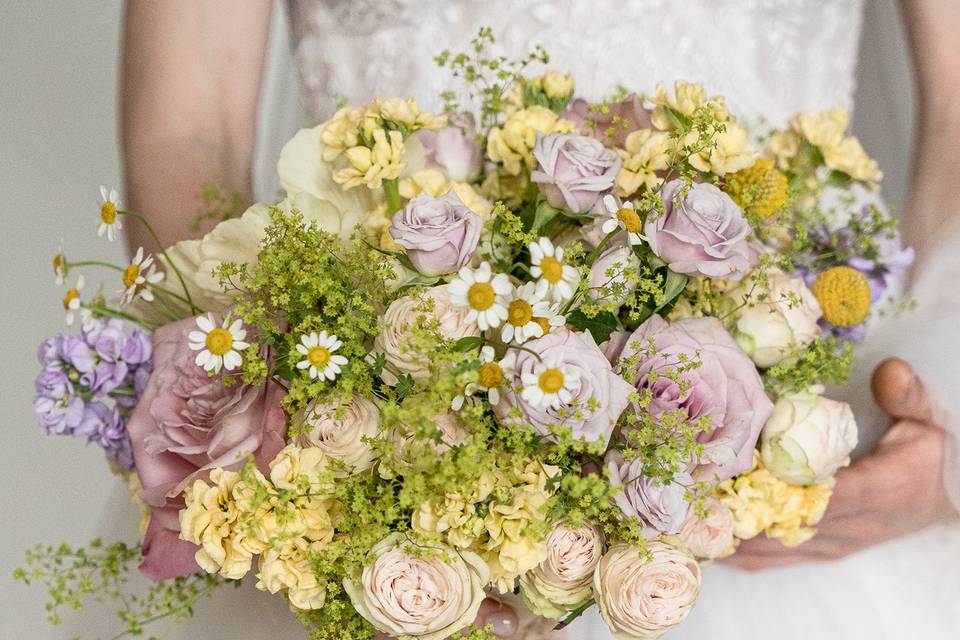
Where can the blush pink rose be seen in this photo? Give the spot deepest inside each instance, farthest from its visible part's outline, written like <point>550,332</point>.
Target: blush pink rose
<point>725,388</point>
<point>186,424</point>
<point>574,172</point>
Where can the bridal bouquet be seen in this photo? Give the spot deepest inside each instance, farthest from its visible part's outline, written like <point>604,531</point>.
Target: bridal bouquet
<point>539,349</point>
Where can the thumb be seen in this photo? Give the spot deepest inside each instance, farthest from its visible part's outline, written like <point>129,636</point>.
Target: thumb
<point>900,392</point>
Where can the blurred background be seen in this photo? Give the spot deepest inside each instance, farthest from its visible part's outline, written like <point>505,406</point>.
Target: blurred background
<point>58,120</point>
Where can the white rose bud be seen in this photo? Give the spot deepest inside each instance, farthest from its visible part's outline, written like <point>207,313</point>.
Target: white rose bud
<point>643,596</point>
<point>402,316</point>
<point>564,580</point>
<point>808,437</point>
<point>785,318</point>
<point>405,592</point>
<point>340,430</point>
<point>711,536</point>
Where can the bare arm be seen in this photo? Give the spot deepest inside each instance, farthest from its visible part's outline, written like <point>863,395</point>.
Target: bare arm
<point>935,182</point>
<point>190,83</point>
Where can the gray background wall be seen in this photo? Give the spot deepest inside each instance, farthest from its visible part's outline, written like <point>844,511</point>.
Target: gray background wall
<point>58,64</point>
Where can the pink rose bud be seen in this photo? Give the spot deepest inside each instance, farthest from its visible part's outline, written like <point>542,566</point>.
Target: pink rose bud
<point>575,171</point>
<point>439,234</point>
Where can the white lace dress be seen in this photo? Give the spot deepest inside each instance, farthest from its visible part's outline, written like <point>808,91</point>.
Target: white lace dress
<point>770,58</point>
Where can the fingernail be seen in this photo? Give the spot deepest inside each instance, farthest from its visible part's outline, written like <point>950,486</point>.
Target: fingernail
<point>504,622</point>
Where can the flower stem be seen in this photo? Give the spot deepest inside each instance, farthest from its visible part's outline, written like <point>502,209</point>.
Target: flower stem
<point>92,263</point>
<point>600,247</point>
<point>391,189</point>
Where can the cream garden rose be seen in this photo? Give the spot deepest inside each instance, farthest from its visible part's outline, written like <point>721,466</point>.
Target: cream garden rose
<point>710,536</point>
<point>401,318</point>
<point>340,431</point>
<point>564,580</point>
<point>428,593</point>
<point>777,319</point>
<point>807,437</point>
<point>642,596</point>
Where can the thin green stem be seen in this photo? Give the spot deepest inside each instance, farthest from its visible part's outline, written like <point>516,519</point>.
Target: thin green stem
<point>163,251</point>
<point>391,189</point>
<point>92,263</point>
<point>600,247</point>
<point>106,311</point>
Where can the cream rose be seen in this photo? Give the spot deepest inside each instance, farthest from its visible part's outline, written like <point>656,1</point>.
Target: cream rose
<point>564,580</point>
<point>340,431</point>
<point>777,319</point>
<point>400,319</point>
<point>405,592</point>
<point>711,536</point>
<point>642,597</point>
<point>807,437</point>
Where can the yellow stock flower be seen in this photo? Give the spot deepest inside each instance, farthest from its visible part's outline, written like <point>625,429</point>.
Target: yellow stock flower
<point>434,183</point>
<point>512,145</point>
<point>645,153</point>
<point>686,99</point>
<point>371,166</point>
<point>731,151</point>
<point>341,132</point>
<point>827,130</point>
<point>406,111</point>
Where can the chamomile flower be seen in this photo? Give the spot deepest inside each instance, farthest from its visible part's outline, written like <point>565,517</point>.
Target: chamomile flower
<point>484,293</point>
<point>60,266</point>
<point>137,278</point>
<point>556,280</point>
<point>550,384</point>
<point>529,315</point>
<point>624,216</point>
<point>219,346</point>
<point>109,214</point>
<point>319,357</point>
<point>71,300</point>
<point>491,376</point>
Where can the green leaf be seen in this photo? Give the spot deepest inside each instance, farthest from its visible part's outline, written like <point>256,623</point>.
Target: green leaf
<point>543,214</point>
<point>673,287</point>
<point>600,326</point>
<point>404,386</point>
<point>468,344</point>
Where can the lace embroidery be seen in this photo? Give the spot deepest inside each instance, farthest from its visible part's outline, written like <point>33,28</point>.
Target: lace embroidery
<point>770,58</point>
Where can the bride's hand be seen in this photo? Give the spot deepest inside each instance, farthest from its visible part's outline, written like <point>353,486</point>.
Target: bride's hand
<point>492,611</point>
<point>896,490</point>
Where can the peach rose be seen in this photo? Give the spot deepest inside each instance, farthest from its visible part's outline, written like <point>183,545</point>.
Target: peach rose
<point>709,537</point>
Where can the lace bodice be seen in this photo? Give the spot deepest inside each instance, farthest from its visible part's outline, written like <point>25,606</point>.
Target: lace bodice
<point>770,58</point>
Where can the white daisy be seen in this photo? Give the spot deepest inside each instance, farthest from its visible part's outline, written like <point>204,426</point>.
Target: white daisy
<point>60,266</point>
<point>557,281</point>
<point>219,347</point>
<point>551,383</point>
<point>71,300</point>
<point>625,217</point>
<point>137,278</point>
<point>490,377</point>
<point>529,315</point>
<point>109,217</point>
<point>318,351</point>
<point>483,293</point>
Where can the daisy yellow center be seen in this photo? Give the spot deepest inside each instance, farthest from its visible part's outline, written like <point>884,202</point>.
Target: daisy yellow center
<point>490,375</point>
<point>519,313</point>
<point>219,341</point>
<point>71,295</point>
<point>629,219</point>
<point>58,263</point>
<point>318,356</point>
<point>551,380</point>
<point>844,296</point>
<point>544,324</point>
<point>481,296</point>
<point>130,275</point>
<point>108,212</point>
<point>552,269</point>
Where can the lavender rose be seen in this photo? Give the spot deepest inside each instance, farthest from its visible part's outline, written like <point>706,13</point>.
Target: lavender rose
<point>701,234</point>
<point>453,150</point>
<point>575,171</point>
<point>185,425</point>
<point>662,508</point>
<point>439,234</point>
<point>725,389</point>
<point>595,381</point>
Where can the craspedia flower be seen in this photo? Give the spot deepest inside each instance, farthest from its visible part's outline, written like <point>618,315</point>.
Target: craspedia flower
<point>844,296</point>
<point>760,190</point>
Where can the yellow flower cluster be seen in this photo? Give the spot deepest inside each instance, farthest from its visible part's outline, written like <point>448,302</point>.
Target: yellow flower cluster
<point>645,153</point>
<point>826,130</point>
<point>762,503</point>
<point>512,144</point>
<point>498,521</point>
<point>555,85</point>
<point>844,296</point>
<point>730,150</point>
<point>281,518</point>
<point>371,138</point>
<point>759,190</point>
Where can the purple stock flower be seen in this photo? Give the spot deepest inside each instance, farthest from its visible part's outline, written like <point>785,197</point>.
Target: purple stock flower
<point>105,426</point>
<point>74,351</point>
<point>58,416</point>
<point>53,384</point>
<point>138,348</point>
